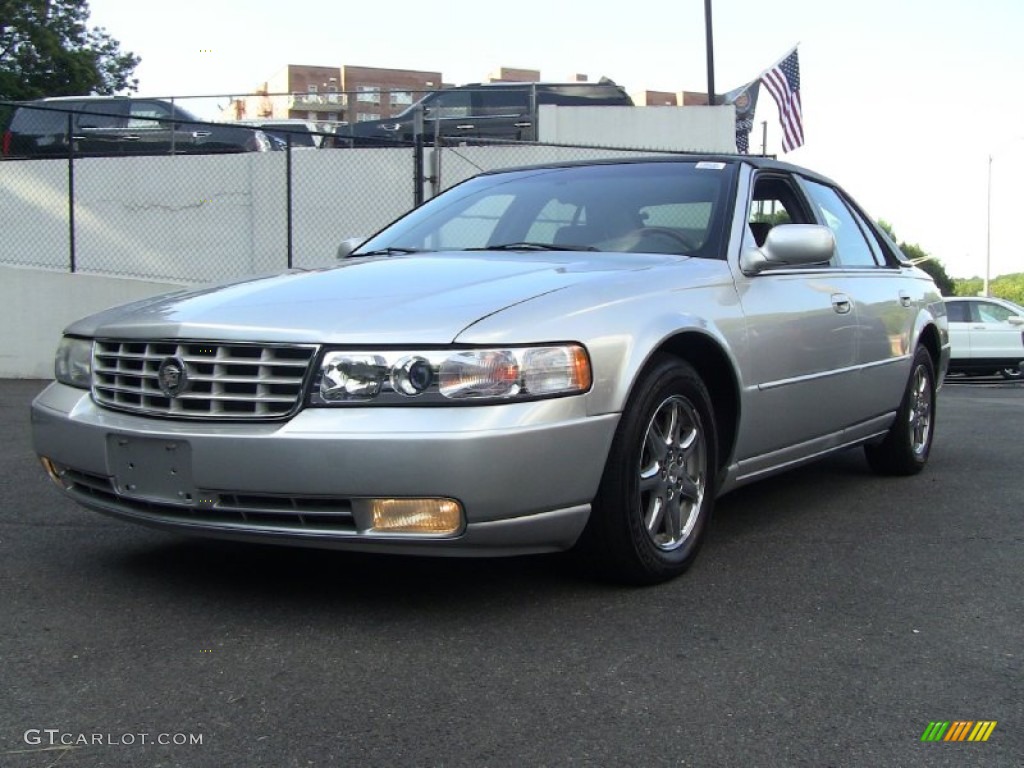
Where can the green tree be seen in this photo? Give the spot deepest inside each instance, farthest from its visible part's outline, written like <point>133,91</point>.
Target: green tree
<point>48,49</point>
<point>920,257</point>
<point>968,286</point>
<point>1010,287</point>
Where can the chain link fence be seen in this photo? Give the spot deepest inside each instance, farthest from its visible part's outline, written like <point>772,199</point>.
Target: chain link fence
<point>187,201</point>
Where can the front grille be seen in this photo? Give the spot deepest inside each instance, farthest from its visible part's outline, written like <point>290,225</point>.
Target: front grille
<point>224,381</point>
<point>312,514</point>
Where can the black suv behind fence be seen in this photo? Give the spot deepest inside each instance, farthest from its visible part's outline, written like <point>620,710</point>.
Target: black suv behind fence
<point>490,111</point>
<point>116,125</point>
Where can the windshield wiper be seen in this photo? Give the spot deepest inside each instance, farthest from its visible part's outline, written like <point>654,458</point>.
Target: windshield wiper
<point>528,246</point>
<point>391,250</point>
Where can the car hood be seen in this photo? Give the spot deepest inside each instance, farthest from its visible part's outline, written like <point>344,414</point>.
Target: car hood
<point>417,299</point>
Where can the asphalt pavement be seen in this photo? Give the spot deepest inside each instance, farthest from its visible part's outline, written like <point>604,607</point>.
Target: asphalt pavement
<point>831,617</point>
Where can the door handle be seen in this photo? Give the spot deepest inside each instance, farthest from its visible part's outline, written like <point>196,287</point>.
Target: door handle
<point>465,127</point>
<point>200,134</point>
<point>130,138</point>
<point>904,298</point>
<point>841,303</point>
<point>525,124</point>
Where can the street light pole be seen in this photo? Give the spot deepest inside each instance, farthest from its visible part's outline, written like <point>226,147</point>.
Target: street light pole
<point>988,213</point>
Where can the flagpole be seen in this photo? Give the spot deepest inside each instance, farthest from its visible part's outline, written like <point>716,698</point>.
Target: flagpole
<point>710,45</point>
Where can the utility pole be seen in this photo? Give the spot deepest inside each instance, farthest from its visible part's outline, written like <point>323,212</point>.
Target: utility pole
<point>988,229</point>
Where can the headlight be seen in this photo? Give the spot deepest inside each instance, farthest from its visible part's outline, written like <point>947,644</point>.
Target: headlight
<point>73,363</point>
<point>401,377</point>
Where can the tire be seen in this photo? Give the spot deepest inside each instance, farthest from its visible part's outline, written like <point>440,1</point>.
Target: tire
<point>905,449</point>
<point>1012,374</point>
<point>655,498</point>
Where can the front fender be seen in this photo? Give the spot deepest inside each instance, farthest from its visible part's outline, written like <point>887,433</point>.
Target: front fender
<point>624,322</point>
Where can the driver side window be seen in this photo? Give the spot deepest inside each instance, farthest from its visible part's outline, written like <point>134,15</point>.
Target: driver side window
<point>993,313</point>
<point>449,104</point>
<point>148,114</point>
<point>774,202</point>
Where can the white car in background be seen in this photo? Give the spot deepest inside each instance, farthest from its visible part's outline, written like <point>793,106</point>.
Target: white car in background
<point>986,336</point>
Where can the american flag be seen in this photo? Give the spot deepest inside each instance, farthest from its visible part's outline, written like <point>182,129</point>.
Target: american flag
<point>783,83</point>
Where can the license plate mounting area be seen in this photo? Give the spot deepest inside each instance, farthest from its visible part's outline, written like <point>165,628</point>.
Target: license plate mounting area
<point>152,469</point>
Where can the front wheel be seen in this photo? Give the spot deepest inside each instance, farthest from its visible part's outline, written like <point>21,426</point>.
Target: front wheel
<point>1012,374</point>
<point>905,449</point>
<point>655,498</point>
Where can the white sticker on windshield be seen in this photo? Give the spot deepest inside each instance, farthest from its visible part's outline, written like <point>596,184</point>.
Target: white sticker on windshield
<point>710,166</point>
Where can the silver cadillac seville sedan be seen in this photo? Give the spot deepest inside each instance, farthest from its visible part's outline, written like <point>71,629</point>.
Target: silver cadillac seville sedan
<point>576,355</point>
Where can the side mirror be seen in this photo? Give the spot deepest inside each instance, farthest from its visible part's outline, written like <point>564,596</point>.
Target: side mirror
<point>790,245</point>
<point>348,245</point>
<point>1015,320</point>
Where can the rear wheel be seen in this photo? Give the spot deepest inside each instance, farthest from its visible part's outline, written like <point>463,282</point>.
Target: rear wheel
<point>1012,373</point>
<point>656,495</point>
<point>904,451</point>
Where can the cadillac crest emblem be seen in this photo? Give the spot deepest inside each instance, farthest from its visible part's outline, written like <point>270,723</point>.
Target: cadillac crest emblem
<point>172,376</point>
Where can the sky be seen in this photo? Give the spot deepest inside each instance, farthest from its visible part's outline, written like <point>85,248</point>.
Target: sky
<point>904,102</point>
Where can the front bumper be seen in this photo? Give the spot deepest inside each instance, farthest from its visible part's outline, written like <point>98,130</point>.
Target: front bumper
<point>524,473</point>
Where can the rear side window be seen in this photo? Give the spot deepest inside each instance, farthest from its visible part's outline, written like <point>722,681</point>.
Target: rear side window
<point>958,312</point>
<point>42,121</point>
<point>582,96</point>
<point>501,101</point>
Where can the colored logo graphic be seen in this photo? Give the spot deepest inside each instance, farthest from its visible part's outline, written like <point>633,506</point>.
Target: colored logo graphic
<point>959,730</point>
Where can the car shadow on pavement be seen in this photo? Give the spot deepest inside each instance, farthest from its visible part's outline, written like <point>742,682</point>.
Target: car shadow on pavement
<point>259,571</point>
<point>237,570</point>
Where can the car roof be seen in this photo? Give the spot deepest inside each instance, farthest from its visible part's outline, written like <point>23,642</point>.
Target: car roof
<point>283,121</point>
<point>276,120</point>
<point>759,162</point>
<point>540,84</point>
<point>93,98</point>
<point>997,299</point>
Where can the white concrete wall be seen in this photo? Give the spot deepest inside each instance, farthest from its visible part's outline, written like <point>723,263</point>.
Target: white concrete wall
<point>36,305</point>
<point>198,218</point>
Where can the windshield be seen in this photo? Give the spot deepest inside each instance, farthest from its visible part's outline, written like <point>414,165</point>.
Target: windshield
<point>654,207</point>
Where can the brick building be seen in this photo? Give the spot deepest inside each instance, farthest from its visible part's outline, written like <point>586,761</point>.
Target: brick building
<point>329,95</point>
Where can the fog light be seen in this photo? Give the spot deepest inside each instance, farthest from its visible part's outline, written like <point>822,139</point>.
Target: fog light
<point>427,516</point>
